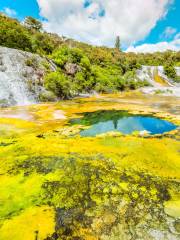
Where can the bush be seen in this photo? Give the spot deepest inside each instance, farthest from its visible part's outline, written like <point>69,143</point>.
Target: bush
<point>170,71</point>
<point>79,82</point>
<point>59,84</point>
<point>47,96</point>
<point>60,56</point>
<point>104,81</point>
<point>32,62</point>
<point>85,63</point>
<point>75,55</point>
<point>71,55</point>
<point>13,34</point>
<point>42,43</point>
<point>105,78</point>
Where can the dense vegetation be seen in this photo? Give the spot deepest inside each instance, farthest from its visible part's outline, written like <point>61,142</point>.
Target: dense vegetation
<point>27,36</point>
<point>170,71</point>
<point>79,73</point>
<point>82,68</point>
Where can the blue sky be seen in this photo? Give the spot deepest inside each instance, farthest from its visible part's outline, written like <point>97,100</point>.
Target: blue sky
<point>151,27</point>
<point>22,7</point>
<point>172,19</point>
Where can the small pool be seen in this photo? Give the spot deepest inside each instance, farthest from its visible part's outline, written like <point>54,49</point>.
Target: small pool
<point>100,122</point>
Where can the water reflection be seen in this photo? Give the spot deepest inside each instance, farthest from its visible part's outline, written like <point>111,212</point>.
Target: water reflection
<point>121,121</point>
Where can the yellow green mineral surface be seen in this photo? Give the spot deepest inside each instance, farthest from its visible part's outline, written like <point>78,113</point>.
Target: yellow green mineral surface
<point>56,184</point>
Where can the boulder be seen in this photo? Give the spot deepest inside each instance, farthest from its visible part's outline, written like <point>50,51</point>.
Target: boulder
<point>72,68</point>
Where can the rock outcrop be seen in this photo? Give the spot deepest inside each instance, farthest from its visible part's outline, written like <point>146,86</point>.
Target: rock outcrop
<point>21,77</point>
<point>159,82</point>
<point>72,68</point>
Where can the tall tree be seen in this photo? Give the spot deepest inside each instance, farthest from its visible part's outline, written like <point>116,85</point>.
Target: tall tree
<point>118,43</point>
<point>33,24</point>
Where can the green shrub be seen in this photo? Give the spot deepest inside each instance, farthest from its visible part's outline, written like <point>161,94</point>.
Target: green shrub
<point>85,63</point>
<point>104,80</point>
<point>59,84</point>
<point>170,71</point>
<point>13,34</point>
<point>79,82</point>
<point>47,96</point>
<point>45,64</point>
<point>72,55</point>
<point>32,62</point>
<point>177,79</point>
<point>42,43</point>
<point>75,55</point>
<point>60,56</point>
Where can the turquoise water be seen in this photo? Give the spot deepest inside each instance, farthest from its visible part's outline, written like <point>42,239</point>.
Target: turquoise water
<point>121,121</point>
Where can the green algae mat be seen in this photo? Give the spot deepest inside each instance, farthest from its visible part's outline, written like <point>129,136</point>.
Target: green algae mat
<point>56,184</point>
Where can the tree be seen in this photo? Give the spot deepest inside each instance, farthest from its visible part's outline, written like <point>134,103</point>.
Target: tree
<point>118,43</point>
<point>170,71</point>
<point>33,24</point>
<point>42,43</point>
<point>13,34</point>
<point>58,83</point>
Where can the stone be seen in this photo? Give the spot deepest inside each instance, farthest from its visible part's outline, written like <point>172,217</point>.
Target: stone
<point>72,68</point>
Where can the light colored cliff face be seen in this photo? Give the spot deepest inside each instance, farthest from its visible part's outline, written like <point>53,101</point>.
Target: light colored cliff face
<point>19,84</point>
<point>160,83</point>
<point>148,73</point>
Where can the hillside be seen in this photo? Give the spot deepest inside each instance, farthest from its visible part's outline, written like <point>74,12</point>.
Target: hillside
<point>80,68</point>
<point>89,136</point>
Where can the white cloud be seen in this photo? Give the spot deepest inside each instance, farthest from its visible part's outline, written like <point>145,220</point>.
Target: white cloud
<point>131,20</point>
<point>168,32</point>
<point>157,47</point>
<point>10,12</point>
<point>177,36</point>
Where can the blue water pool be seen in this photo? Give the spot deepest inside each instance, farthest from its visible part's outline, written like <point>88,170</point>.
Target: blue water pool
<point>121,121</point>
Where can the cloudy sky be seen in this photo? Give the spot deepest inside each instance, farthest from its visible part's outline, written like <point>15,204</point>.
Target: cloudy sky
<point>143,25</point>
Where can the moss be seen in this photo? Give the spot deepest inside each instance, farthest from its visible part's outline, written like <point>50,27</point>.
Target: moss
<point>18,193</point>
<point>172,208</point>
<point>33,223</point>
<point>87,188</point>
